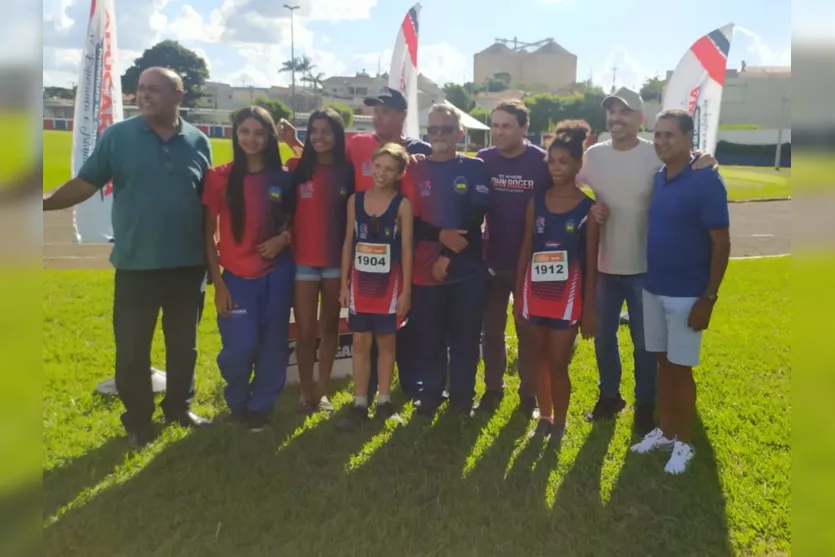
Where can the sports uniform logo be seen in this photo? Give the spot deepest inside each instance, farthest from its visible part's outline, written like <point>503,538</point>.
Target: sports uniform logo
<point>425,188</point>
<point>343,191</point>
<point>569,225</point>
<point>366,168</point>
<point>482,189</point>
<point>540,225</point>
<point>363,231</point>
<point>274,193</point>
<point>460,185</point>
<point>387,232</point>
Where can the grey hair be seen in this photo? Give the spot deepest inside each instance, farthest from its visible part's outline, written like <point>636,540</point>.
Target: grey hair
<point>445,108</point>
<point>682,118</point>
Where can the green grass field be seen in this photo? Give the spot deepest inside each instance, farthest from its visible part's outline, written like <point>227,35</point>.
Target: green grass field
<point>300,488</point>
<point>743,182</point>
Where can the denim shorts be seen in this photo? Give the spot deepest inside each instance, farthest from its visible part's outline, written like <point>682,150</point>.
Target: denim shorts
<point>308,273</point>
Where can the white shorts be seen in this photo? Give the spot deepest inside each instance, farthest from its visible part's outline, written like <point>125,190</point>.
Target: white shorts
<point>666,330</point>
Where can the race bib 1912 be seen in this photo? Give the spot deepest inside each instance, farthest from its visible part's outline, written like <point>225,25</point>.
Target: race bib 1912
<point>549,266</point>
<point>372,258</point>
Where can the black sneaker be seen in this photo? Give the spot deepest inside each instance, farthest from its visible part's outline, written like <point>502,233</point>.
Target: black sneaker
<point>356,416</point>
<point>141,438</point>
<point>528,407</point>
<point>306,407</point>
<point>425,410</point>
<point>237,418</point>
<point>606,408</point>
<point>385,411</point>
<point>543,429</point>
<point>490,400</point>
<point>644,418</point>
<point>257,421</point>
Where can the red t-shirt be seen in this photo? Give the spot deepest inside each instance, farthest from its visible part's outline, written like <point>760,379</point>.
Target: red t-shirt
<point>362,146</point>
<point>265,196</point>
<point>321,212</point>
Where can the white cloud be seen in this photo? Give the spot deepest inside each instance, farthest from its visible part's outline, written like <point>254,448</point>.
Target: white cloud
<point>621,69</point>
<point>440,62</point>
<point>762,54</point>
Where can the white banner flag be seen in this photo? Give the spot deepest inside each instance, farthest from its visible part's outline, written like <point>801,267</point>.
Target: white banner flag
<point>98,104</point>
<point>697,85</point>
<point>403,75</point>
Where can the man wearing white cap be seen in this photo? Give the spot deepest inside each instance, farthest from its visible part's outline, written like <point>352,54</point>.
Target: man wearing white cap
<point>620,171</point>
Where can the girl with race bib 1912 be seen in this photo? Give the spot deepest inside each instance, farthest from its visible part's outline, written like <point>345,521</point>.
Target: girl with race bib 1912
<point>557,274</point>
<point>377,278</point>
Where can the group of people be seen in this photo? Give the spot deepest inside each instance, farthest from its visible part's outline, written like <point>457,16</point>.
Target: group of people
<point>424,247</point>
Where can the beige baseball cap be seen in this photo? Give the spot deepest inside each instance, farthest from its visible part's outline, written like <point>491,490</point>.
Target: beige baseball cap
<point>628,97</point>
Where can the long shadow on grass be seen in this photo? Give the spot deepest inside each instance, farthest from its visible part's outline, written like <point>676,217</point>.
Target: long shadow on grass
<point>221,491</point>
<point>61,485</point>
<point>652,512</point>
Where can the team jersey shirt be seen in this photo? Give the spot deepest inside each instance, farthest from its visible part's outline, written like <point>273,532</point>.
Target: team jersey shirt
<point>362,146</point>
<point>376,271</point>
<point>267,199</point>
<point>512,184</point>
<point>321,212</point>
<point>443,195</point>
<point>553,286</point>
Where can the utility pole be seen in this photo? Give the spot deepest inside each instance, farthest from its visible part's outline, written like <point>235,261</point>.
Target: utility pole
<point>292,61</point>
<point>614,76</point>
<point>778,154</point>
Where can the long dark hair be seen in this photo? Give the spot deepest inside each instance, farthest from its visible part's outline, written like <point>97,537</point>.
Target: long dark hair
<point>272,163</point>
<point>307,162</point>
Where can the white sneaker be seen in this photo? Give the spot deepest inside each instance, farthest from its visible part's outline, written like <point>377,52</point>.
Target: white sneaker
<point>682,455</point>
<point>653,441</point>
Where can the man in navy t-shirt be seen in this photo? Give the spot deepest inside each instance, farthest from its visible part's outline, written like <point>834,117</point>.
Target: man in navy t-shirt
<point>688,246</point>
<point>516,168</point>
<point>450,198</point>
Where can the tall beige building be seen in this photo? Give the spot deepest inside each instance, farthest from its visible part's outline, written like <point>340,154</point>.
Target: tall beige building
<point>547,67</point>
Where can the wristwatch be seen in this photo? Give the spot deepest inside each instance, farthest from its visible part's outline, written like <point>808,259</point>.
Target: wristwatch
<point>712,298</point>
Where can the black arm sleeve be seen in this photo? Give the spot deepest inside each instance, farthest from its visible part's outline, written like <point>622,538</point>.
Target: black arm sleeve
<point>425,231</point>
<point>473,227</point>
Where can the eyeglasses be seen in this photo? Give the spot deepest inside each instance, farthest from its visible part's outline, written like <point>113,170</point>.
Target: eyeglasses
<point>440,130</point>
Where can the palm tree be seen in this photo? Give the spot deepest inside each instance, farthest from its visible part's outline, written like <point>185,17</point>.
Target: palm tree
<point>317,81</point>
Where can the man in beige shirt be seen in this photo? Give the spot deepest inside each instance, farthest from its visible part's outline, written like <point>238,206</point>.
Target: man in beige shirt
<point>620,172</point>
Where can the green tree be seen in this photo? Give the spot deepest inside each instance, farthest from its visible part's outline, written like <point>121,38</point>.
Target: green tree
<point>344,111</point>
<point>189,65</point>
<point>275,107</point>
<point>458,95</point>
<point>547,109</point>
<point>652,88</point>
<point>499,82</point>
<point>473,88</point>
<point>59,93</point>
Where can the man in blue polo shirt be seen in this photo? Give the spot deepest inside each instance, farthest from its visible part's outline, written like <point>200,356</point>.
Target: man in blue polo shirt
<point>688,246</point>
<point>156,163</point>
<point>450,199</point>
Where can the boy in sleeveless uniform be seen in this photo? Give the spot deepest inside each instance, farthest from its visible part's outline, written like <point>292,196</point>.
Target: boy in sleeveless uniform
<point>377,278</point>
<point>557,274</point>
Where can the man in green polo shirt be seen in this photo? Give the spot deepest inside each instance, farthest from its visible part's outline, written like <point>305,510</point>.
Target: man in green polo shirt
<point>156,162</point>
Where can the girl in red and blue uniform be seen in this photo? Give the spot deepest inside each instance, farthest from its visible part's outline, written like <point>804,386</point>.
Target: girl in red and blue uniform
<point>250,204</point>
<point>557,273</point>
<point>323,180</point>
<point>377,278</point>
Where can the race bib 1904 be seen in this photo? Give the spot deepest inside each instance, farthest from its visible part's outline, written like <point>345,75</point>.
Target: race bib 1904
<point>549,266</point>
<point>372,258</point>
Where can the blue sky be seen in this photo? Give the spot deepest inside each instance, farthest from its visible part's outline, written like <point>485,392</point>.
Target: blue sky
<point>245,41</point>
